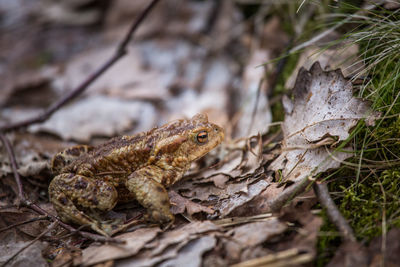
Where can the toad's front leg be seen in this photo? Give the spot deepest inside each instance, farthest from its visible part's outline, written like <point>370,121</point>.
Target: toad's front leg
<point>151,194</point>
<point>68,191</point>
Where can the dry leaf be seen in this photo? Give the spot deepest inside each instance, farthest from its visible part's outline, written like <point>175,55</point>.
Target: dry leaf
<point>186,233</point>
<point>249,235</point>
<point>182,204</point>
<point>322,113</point>
<point>306,240</point>
<point>67,256</point>
<point>252,234</point>
<point>128,79</point>
<point>241,197</point>
<point>13,216</point>
<point>390,255</point>
<point>146,259</point>
<point>31,256</point>
<point>350,254</point>
<point>70,12</point>
<point>134,242</point>
<point>238,163</point>
<point>236,182</point>
<point>169,244</point>
<point>98,116</point>
<point>191,254</point>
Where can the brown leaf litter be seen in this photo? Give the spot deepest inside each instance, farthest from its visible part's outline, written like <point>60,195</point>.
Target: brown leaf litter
<point>165,77</point>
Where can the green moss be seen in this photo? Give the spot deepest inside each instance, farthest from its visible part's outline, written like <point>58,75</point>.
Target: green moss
<point>370,203</point>
<point>372,200</point>
<point>366,206</point>
<point>367,191</point>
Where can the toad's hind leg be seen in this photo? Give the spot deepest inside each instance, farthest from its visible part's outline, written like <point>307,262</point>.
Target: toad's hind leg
<point>68,192</point>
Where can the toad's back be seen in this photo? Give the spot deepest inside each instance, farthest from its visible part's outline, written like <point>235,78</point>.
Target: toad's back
<point>123,153</point>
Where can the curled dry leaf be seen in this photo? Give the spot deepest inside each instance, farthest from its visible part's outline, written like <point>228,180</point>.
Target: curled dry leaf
<point>322,113</point>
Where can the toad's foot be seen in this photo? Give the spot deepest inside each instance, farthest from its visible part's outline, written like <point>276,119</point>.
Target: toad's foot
<point>112,229</point>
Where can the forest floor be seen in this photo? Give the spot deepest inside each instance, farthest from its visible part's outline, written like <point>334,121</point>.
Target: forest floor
<point>307,173</point>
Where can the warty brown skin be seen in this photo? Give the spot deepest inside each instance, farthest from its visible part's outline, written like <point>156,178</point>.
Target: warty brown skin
<point>94,179</point>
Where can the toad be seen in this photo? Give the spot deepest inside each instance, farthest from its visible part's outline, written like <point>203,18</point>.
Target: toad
<point>92,180</point>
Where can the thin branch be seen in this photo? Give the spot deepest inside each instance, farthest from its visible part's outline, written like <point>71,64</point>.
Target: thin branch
<point>289,193</point>
<point>254,113</point>
<point>14,167</point>
<point>120,52</point>
<point>51,227</point>
<point>334,215</point>
<point>40,218</point>
<point>289,257</point>
<point>122,47</point>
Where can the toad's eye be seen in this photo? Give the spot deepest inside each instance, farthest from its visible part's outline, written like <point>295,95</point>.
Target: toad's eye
<point>202,137</point>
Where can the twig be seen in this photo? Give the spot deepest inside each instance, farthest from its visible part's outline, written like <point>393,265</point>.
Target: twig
<point>334,215</point>
<point>51,227</point>
<point>384,226</point>
<point>289,257</point>
<point>71,233</point>
<point>41,218</point>
<point>288,194</point>
<point>254,113</point>
<point>212,17</point>
<point>120,52</point>
<point>14,167</point>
